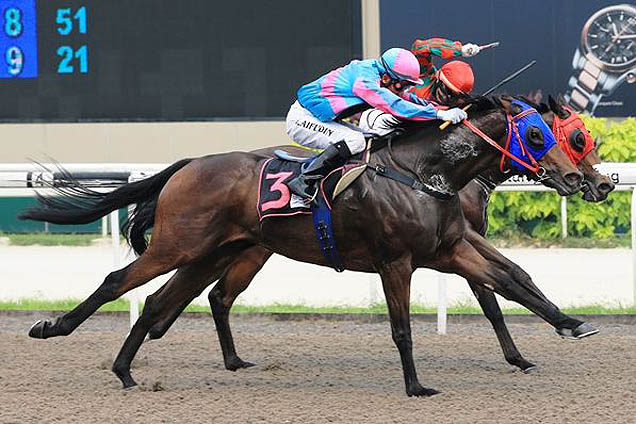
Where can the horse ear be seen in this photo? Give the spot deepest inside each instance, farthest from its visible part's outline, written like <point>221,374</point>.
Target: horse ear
<point>555,106</point>
<point>506,102</point>
<point>561,99</point>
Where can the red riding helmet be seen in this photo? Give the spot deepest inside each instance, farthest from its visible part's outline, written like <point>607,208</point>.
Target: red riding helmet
<point>457,76</point>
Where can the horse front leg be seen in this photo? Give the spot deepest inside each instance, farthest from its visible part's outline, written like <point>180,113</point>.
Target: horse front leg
<point>396,282</point>
<point>565,326</point>
<point>489,305</point>
<point>499,274</point>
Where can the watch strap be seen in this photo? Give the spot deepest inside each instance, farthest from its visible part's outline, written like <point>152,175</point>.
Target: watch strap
<point>585,86</point>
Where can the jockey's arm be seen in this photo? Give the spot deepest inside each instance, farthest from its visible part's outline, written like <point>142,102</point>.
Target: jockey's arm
<point>440,47</point>
<point>412,97</point>
<point>382,98</point>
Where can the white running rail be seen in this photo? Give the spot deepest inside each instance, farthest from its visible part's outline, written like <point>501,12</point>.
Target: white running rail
<point>20,179</point>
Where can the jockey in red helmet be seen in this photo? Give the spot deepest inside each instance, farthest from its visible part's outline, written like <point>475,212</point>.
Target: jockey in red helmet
<point>444,86</point>
<point>453,79</point>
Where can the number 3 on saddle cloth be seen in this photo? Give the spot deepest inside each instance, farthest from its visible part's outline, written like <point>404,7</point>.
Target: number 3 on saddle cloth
<point>276,201</point>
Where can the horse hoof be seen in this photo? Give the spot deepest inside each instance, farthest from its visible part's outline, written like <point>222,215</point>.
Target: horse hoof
<point>529,370</point>
<point>238,364</point>
<point>37,330</point>
<point>130,385</point>
<point>584,330</point>
<point>127,381</point>
<point>422,392</point>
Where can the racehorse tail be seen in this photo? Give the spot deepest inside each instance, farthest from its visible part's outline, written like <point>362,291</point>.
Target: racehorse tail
<point>141,220</point>
<point>74,203</point>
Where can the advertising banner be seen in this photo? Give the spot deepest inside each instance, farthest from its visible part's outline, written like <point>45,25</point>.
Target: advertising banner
<point>585,50</point>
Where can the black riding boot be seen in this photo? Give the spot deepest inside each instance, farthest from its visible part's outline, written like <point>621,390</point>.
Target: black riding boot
<point>333,156</point>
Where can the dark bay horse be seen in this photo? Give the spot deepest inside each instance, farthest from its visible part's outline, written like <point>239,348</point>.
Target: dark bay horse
<point>206,226</point>
<point>572,136</point>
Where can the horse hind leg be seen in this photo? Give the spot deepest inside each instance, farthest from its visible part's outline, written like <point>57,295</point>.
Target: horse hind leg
<point>139,272</point>
<point>167,302</point>
<point>249,260</point>
<point>234,281</point>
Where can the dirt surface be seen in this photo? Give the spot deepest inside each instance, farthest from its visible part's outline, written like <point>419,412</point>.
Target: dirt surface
<point>315,372</point>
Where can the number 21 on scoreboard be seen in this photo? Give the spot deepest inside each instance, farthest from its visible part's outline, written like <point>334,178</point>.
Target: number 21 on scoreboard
<point>65,25</point>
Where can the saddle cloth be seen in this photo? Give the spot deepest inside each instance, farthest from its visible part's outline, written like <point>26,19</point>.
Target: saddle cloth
<point>275,198</point>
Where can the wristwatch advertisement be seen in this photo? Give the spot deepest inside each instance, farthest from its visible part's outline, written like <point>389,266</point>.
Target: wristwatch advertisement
<point>605,58</point>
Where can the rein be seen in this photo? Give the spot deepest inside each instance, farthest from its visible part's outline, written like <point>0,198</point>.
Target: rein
<point>511,125</point>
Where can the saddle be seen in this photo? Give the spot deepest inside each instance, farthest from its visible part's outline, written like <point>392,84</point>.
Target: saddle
<point>275,199</point>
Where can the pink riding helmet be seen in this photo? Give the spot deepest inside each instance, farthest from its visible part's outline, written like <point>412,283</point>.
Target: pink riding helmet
<point>401,64</point>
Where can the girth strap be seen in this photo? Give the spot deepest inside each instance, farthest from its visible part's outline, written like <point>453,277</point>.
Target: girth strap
<point>392,174</point>
<point>321,215</point>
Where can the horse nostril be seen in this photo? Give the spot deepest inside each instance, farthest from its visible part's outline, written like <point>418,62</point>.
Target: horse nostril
<point>574,178</point>
<point>606,187</point>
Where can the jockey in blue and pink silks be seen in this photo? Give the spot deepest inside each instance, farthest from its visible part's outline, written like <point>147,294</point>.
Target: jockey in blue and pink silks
<point>314,119</point>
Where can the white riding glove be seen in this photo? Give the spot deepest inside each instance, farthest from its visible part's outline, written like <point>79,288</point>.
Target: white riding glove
<point>469,50</point>
<point>454,115</point>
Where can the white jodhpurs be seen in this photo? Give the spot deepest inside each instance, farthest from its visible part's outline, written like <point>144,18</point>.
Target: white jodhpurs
<point>304,128</point>
<point>376,121</point>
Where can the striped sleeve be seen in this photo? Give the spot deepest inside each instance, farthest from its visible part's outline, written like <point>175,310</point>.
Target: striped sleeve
<point>441,47</point>
<point>382,98</point>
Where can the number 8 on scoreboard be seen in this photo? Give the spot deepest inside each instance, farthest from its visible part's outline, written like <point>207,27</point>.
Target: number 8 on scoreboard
<point>18,39</point>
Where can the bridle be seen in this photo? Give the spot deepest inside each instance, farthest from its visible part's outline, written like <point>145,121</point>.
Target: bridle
<point>560,128</point>
<point>511,127</point>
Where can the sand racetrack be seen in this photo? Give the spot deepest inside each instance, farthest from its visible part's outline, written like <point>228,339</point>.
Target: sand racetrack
<point>315,371</point>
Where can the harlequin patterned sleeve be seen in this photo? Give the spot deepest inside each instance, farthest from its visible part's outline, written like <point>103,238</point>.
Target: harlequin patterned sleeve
<point>441,47</point>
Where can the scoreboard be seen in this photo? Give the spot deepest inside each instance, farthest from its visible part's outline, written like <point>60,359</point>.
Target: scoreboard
<point>129,60</point>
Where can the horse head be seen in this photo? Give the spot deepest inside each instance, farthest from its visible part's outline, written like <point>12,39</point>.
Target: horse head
<point>576,141</point>
<point>530,138</point>
<point>501,133</point>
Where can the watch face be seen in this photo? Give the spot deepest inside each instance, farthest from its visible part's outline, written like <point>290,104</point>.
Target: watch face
<point>609,37</point>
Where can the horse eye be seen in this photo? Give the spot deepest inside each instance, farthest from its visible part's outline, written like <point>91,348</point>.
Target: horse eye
<point>577,140</point>
<point>535,137</point>
<point>516,109</point>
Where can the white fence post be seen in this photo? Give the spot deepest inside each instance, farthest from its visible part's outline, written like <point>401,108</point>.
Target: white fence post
<point>441,303</point>
<point>114,231</point>
<point>373,289</point>
<point>105,226</point>
<point>633,228</point>
<point>564,217</point>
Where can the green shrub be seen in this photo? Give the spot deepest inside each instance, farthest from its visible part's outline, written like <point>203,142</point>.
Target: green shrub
<point>539,214</point>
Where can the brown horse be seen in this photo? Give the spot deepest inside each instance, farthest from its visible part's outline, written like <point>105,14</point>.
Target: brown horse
<point>206,225</point>
<point>474,199</point>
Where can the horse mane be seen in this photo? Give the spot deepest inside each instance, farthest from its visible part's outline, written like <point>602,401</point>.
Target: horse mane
<point>540,107</point>
<point>479,104</point>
